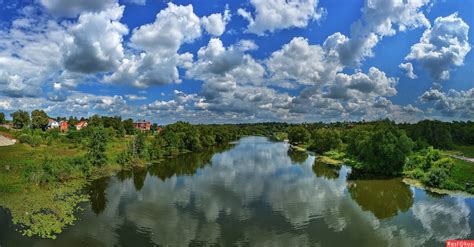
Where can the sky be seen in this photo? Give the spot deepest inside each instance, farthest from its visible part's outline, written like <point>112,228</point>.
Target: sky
<point>239,61</point>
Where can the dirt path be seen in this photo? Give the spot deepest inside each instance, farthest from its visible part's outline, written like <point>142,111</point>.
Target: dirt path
<point>5,141</point>
<point>462,158</point>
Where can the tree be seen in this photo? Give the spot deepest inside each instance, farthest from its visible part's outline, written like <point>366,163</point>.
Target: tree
<point>129,127</point>
<point>382,149</point>
<point>298,135</point>
<point>96,147</point>
<point>39,119</point>
<point>95,121</point>
<point>21,119</point>
<point>138,145</point>
<point>2,118</point>
<point>324,140</point>
<point>72,121</point>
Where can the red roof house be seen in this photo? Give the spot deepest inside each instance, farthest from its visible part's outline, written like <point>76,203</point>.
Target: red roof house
<point>142,125</point>
<point>80,125</point>
<point>63,126</point>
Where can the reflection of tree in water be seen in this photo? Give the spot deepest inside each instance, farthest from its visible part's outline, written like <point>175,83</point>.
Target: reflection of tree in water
<point>383,197</point>
<point>185,164</point>
<point>139,176</point>
<point>297,157</point>
<point>124,175</point>
<point>97,194</point>
<point>325,170</point>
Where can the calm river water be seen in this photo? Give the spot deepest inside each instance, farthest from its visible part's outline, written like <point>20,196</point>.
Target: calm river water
<point>256,193</point>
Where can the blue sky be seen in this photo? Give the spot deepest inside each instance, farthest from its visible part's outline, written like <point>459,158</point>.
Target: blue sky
<point>239,61</point>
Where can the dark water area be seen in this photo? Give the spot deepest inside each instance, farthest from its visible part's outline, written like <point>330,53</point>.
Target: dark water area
<point>256,193</point>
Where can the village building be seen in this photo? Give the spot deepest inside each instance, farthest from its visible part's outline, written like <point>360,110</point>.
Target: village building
<point>52,124</point>
<point>63,126</point>
<point>80,125</point>
<point>142,125</point>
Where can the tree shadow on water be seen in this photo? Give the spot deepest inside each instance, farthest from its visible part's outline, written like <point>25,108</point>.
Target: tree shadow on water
<point>98,195</point>
<point>385,198</point>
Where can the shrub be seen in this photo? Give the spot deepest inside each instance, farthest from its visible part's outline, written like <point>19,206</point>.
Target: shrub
<point>416,173</point>
<point>34,174</point>
<point>124,159</point>
<point>448,185</point>
<point>435,177</point>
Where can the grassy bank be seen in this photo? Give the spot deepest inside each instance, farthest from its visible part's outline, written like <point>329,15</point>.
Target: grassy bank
<point>42,201</point>
<point>457,175</point>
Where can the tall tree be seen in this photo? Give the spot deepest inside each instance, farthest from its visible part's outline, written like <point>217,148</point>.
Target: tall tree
<point>2,118</point>
<point>128,125</point>
<point>97,146</point>
<point>21,119</point>
<point>39,119</point>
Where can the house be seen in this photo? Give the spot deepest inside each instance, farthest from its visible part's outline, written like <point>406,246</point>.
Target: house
<point>142,125</point>
<point>52,124</point>
<point>80,125</point>
<point>63,126</point>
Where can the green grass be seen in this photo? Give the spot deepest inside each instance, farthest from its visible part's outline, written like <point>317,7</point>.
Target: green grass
<point>467,151</point>
<point>462,173</point>
<point>28,202</point>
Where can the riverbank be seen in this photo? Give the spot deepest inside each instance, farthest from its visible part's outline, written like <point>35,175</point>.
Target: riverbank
<point>44,209</point>
<point>459,179</point>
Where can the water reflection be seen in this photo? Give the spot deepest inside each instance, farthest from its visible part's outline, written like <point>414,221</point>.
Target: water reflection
<point>97,195</point>
<point>254,194</point>
<point>383,197</point>
<point>139,176</point>
<point>297,157</point>
<point>185,164</point>
<point>322,169</point>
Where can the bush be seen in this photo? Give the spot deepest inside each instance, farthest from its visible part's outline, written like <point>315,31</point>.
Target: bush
<point>448,185</point>
<point>416,173</point>
<point>125,159</point>
<point>33,140</point>
<point>81,163</point>
<point>34,174</point>
<point>435,177</point>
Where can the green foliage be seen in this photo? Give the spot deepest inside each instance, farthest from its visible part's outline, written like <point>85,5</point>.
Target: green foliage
<point>2,118</point>
<point>430,167</point>
<point>21,119</point>
<point>33,139</point>
<point>39,119</point>
<point>125,159</point>
<point>324,140</point>
<point>435,176</point>
<point>381,149</point>
<point>298,135</point>
<point>128,126</point>
<point>434,133</point>
<point>97,146</point>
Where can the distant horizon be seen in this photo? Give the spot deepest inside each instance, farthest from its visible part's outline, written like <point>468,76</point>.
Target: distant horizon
<point>239,62</point>
<point>9,119</point>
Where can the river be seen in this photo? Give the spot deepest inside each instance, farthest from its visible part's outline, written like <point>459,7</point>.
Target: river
<point>256,193</point>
